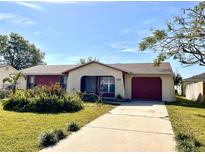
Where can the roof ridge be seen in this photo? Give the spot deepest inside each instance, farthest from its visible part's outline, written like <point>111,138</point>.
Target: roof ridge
<point>59,64</point>
<point>100,62</point>
<point>195,76</point>
<point>138,63</point>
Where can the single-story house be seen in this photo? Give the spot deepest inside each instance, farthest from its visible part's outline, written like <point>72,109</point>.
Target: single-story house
<point>193,88</point>
<point>5,71</point>
<point>142,81</point>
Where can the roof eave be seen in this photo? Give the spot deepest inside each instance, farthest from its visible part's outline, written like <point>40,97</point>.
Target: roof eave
<point>66,72</point>
<point>150,73</point>
<point>34,74</point>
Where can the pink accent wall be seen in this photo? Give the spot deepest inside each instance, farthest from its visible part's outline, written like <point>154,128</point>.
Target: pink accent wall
<point>47,80</point>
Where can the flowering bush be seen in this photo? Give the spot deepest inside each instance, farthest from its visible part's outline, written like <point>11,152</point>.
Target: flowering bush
<point>43,100</point>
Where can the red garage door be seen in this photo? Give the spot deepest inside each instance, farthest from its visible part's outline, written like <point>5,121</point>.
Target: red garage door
<point>147,88</point>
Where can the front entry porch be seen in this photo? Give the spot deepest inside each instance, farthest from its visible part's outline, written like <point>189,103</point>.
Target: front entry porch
<point>104,85</point>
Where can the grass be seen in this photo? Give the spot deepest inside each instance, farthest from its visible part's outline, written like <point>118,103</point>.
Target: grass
<point>188,118</point>
<point>20,131</point>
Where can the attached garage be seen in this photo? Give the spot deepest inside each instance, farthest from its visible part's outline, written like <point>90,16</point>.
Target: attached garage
<point>147,88</point>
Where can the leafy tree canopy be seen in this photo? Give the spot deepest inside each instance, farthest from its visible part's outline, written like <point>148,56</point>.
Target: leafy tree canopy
<point>89,59</point>
<point>183,38</point>
<point>177,78</point>
<point>18,52</point>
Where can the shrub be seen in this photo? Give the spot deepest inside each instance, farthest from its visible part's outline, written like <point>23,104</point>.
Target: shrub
<point>188,146</point>
<point>72,103</point>
<point>187,143</point>
<point>59,134</point>
<point>73,127</point>
<point>18,102</point>
<point>54,89</point>
<point>181,137</point>
<point>5,93</point>
<point>30,101</point>
<point>45,104</point>
<point>88,97</point>
<point>50,138</point>
<point>47,139</point>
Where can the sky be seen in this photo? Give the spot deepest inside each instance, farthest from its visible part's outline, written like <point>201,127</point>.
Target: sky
<point>109,31</point>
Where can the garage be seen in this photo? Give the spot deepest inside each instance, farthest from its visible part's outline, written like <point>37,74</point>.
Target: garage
<point>147,88</point>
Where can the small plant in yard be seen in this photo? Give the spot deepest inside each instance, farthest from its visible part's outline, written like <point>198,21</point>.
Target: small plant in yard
<point>47,139</point>
<point>187,143</point>
<point>181,137</point>
<point>73,127</point>
<point>59,134</point>
<point>50,138</point>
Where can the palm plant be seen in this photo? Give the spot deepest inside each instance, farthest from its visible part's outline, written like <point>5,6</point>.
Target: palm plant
<point>13,79</point>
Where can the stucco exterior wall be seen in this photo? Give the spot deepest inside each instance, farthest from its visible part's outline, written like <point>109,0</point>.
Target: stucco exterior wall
<point>5,72</point>
<point>22,82</point>
<point>168,93</point>
<point>193,91</point>
<point>94,69</point>
<point>178,89</point>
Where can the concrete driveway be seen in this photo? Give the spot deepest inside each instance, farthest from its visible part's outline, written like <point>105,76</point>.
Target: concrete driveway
<point>135,126</point>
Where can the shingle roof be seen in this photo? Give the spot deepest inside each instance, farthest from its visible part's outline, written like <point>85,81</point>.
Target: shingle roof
<point>47,69</point>
<point>145,68</point>
<point>133,68</point>
<point>196,78</point>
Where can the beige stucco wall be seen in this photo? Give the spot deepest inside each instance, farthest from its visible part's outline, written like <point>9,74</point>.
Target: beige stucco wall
<point>5,72</point>
<point>95,69</point>
<point>193,90</point>
<point>168,93</point>
<point>178,89</point>
<point>22,82</point>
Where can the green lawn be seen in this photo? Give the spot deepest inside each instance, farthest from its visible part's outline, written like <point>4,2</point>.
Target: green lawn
<point>188,117</point>
<point>20,131</point>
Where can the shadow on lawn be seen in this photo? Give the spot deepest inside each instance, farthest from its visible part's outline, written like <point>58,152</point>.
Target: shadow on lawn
<point>186,103</point>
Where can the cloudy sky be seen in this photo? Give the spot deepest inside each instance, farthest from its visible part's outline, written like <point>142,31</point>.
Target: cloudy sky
<point>110,31</point>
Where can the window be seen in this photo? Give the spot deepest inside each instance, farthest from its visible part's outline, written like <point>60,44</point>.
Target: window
<point>63,82</point>
<point>31,82</point>
<point>107,84</point>
<point>32,79</point>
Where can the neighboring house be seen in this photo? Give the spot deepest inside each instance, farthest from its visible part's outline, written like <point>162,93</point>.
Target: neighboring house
<point>193,88</point>
<point>5,71</point>
<point>131,81</point>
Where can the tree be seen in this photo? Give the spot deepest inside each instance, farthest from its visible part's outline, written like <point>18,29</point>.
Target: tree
<point>18,52</point>
<point>89,59</point>
<point>183,38</point>
<point>13,79</point>
<point>177,78</point>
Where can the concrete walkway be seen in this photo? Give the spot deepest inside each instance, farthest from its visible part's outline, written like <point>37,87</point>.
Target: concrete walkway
<point>134,126</point>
